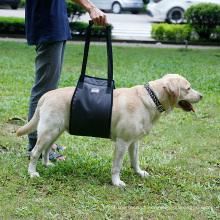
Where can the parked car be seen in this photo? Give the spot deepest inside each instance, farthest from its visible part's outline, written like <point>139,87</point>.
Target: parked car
<point>172,11</point>
<point>13,3</point>
<point>117,6</point>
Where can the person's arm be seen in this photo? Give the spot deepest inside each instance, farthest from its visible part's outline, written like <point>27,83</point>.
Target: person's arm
<point>99,18</point>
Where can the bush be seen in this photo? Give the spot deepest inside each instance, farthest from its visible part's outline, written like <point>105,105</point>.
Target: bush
<point>11,25</point>
<point>146,1</point>
<point>216,33</point>
<point>175,32</point>
<point>78,29</point>
<point>74,10</point>
<point>203,18</point>
<point>144,8</point>
<point>22,4</point>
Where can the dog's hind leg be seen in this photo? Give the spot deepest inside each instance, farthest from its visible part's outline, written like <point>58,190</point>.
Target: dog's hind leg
<point>45,154</point>
<point>35,154</point>
<point>45,140</point>
<point>121,148</point>
<point>134,158</point>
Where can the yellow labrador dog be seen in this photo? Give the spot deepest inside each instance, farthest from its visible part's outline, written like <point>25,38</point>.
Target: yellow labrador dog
<point>134,113</point>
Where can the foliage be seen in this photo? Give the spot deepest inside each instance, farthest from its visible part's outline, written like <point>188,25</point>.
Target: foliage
<point>146,1</point>
<point>11,25</point>
<point>203,18</point>
<point>217,33</point>
<point>74,10</point>
<point>22,4</point>
<point>181,154</point>
<point>174,32</point>
<point>143,10</point>
<point>144,6</point>
<point>78,29</point>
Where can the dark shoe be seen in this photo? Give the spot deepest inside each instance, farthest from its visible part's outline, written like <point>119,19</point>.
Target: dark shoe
<point>52,154</point>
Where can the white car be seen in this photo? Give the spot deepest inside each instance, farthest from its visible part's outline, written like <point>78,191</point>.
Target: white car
<point>172,11</point>
<point>117,6</point>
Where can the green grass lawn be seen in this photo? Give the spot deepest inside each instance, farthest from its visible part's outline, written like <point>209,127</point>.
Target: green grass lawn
<point>182,154</point>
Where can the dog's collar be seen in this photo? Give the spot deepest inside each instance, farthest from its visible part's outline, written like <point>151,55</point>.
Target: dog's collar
<point>154,98</point>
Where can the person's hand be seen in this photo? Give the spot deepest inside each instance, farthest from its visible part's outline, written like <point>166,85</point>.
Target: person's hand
<point>98,17</point>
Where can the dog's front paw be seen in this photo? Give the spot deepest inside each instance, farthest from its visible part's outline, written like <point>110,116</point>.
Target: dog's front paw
<point>34,174</point>
<point>118,183</point>
<point>143,173</point>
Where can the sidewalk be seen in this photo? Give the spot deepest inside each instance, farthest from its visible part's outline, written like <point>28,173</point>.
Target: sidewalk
<point>126,44</point>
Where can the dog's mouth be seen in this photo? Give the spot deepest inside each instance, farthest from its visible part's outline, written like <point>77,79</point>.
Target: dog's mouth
<point>186,106</point>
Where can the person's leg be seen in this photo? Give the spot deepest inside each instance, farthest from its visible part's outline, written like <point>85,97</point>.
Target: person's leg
<point>48,62</point>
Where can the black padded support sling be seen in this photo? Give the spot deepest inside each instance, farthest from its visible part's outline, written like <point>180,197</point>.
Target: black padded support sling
<point>91,105</point>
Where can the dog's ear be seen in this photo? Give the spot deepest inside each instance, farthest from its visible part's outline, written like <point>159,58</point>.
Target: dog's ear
<point>171,85</point>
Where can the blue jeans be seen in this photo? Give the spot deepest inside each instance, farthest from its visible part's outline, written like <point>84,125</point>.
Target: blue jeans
<point>48,62</point>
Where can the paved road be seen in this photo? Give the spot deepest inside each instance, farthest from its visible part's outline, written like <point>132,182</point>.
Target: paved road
<point>7,12</point>
<point>126,26</point>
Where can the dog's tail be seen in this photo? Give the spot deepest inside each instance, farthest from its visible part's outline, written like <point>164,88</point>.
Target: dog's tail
<point>31,126</point>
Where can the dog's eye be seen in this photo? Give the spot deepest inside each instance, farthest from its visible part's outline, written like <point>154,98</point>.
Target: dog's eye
<point>188,88</point>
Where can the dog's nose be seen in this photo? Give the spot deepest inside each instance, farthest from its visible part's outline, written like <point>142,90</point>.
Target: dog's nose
<point>201,96</point>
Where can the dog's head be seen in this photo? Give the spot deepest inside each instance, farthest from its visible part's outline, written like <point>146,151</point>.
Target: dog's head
<point>181,95</point>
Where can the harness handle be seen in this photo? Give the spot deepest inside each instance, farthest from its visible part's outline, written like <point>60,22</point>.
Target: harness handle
<point>109,52</point>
